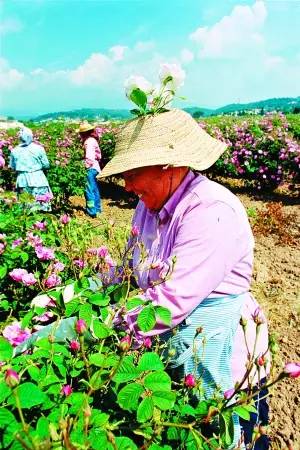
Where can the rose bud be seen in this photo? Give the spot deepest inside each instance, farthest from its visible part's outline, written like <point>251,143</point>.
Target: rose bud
<point>12,379</point>
<point>189,380</point>
<point>125,343</point>
<point>147,342</point>
<point>229,393</point>
<point>80,326</point>
<point>74,346</point>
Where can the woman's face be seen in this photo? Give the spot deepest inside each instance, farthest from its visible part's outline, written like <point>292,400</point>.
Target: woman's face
<point>153,184</point>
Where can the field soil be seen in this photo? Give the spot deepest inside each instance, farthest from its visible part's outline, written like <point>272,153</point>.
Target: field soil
<point>276,285</point>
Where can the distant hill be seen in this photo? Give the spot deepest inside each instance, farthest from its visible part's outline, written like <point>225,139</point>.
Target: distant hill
<point>286,104</point>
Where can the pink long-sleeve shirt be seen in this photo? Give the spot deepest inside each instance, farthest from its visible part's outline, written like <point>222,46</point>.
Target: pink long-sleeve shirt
<point>92,154</point>
<point>206,228</point>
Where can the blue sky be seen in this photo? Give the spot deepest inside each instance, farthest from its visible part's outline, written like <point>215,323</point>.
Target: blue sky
<point>64,54</point>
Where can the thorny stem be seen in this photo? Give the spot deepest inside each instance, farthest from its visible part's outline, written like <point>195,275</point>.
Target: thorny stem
<point>86,362</point>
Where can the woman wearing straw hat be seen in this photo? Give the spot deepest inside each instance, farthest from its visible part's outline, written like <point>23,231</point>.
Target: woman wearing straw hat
<point>183,215</point>
<point>92,158</point>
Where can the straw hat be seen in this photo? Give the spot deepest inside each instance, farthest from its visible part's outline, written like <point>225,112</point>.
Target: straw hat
<point>171,138</point>
<point>85,126</point>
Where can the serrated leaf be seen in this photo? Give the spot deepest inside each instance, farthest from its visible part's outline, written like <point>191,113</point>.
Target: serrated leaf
<point>188,410</point>
<point>99,418</point>
<point>150,361</point>
<point>72,307</point>
<point>164,314</point>
<point>129,395</point>
<point>133,303</point>
<point>6,349</point>
<point>126,371</point>
<point>101,330</point>
<point>27,318</point>
<point>34,373</point>
<point>85,313</point>
<point>145,410</point>
<point>30,395</point>
<point>146,319</point>
<point>125,443</point>
<point>3,271</point>
<point>4,391</point>
<point>164,400</point>
<point>99,299</point>
<point>158,381</point>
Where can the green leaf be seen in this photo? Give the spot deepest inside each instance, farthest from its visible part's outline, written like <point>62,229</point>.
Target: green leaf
<point>226,427</point>
<point>158,381</point>
<point>85,313</point>
<point>6,418</point>
<point>202,408</point>
<point>27,318</point>
<point>167,79</point>
<point>4,391</point>
<point>125,443</point>
<point>164,400</point>
<point>99,418</point>
<point>242,412</point>
<point>101,330</point>
<point>145,410</point>
<point>129,395</point>
<point>30,395</point>
<point>6,349</point>
<point>3,271</point>
<point>126,371</point>
<point>99,299</point>
<point>164,314</point>
<point>42,428</point>
<point>150,361</point>
<point>134,302</point>
<point>139,97</point>
<point>188,410</point>
<point>71,307</point>
<point>100,360</point>
<point>146,319</point>
<point>34,373</point>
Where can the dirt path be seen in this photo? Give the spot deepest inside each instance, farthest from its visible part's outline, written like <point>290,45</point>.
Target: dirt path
<point>276,285</point>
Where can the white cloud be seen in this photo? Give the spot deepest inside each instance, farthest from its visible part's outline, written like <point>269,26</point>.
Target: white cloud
<point>144,46</point>
<point>9,77</point>
<point>95,70</point>
<point>233,35</point>
<point>10,26</point>
<point>186,56</point>
<point>273,62</point>
<point>118,52</point>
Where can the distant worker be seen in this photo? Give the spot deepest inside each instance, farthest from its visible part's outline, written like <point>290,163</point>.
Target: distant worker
<point>92,158</point>
<point>29,160</point>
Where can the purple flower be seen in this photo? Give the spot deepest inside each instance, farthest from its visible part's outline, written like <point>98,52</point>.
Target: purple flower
<point>44,253</point>
<point>79,263</point>
<point>12,379</point>
<point>258,316</point>
<point>52,281</point>
<point>15,334</point>
<point>28,279</point>
<point>80,326</point>
<point>292,369</point>
<point>66,390</point>
<point>65,219</point>
<point>189,380</point>
<point>17,274</point>
<point>102,251</point>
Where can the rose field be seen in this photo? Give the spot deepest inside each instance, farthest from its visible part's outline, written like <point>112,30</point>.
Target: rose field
<point>71,377</point>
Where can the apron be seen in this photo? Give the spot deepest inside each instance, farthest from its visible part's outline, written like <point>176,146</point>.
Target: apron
<point>203,346</point>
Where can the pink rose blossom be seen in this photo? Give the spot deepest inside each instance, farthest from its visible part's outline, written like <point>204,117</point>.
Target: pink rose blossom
<point>16,242</point>
<point>292,369</point>
<point>44,198</point>
<point>66,390</point>
<point>28,279</point>
<point>65,219</point>
<point>2,162</point>
<point>2,247</point>
<point>102,251</point>
<point>43,317</point>
<point>42,301</point>
<point>34,240</point>
<point>40,226</point>
<point>79,263</point>
<point>17,274</point>
<point>189,380</point>
<point>58,266</point>
<point>44,253</point>
<point>15,334</point>
<point>147,342</point>
<point>53,280</point>
<point>12,379</point>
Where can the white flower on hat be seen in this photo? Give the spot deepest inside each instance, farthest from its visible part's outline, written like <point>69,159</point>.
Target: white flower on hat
<point>171,75</point>
<point>137,82</point>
